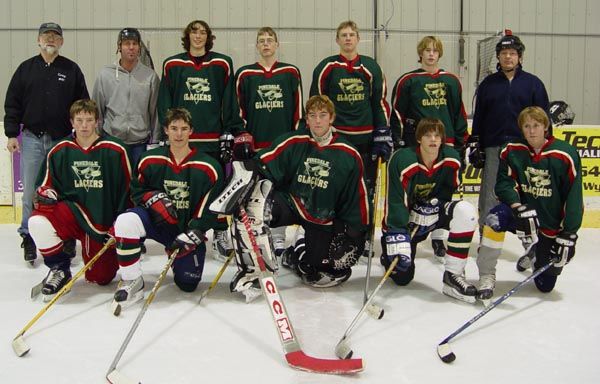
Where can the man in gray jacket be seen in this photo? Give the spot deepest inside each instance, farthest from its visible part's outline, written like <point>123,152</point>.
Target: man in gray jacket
<point>126,94</point>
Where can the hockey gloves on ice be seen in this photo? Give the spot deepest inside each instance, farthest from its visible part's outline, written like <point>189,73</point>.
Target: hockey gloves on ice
<point>243,147</point>
<point>186,242</point>
<point>424,216</point>
<point>527,225</point>
<point>344,250</point>
<point>226,148</point>
<point>563,249</point>
<point>474,153</point>
<point>162,211</point>
<point>45,198</point>
<point>397,244</point>
<point>382,143</point>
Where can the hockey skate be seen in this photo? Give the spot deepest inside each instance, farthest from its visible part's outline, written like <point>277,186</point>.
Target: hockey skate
<point>485,292</point>
<point>54,281</point>
<point>246,282</point>
<point>439,250</point>
<point>524,263</point>
<point>221,245</point>
<point>128,293</point>
<point>456,286</point>
<point>29,249</point>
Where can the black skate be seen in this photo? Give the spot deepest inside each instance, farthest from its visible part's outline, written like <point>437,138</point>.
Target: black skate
<point>128,293</point>
<point>54,282</point>
<point>29,249</point>
<point>458,287</point>
<point>439,250</point>
<point>487,283</point>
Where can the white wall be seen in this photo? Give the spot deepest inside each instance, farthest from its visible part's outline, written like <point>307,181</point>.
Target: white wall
<point>562,36</point>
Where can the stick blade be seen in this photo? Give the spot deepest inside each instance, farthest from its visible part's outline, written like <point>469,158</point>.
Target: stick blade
<point>445,353</point>
<point>303,362</point>
<point>343,350</point>
<point>19,346</point>
<point>116,377</point>
<point>375,312</point>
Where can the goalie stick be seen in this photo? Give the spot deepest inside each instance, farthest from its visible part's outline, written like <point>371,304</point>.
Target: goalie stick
<point>443,348</point>
<point>18,344</point>
<point>294,355</point>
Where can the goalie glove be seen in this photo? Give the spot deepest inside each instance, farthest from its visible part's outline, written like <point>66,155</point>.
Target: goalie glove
<point>225,148</point>
<point>344,251</point>
<point>45,199</point>
<point>243,147</point>
<point>187,242</point>
<point>563,249</point>
<point>161,208</point>
<point>526,225</point>
<point>474,153</point>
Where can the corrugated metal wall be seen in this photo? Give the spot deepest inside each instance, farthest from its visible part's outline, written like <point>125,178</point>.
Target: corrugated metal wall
<point>562,36</point>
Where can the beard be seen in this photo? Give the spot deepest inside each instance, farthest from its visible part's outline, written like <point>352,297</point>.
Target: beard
<point>50,50</point>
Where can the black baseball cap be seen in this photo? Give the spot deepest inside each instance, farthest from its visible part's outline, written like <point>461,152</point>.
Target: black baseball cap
<point>47,27</point>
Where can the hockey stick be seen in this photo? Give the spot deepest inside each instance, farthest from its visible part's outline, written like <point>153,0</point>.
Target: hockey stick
<point>342,349</point>
<point>114,376</point>
<point>373,310</point>
<point>294,355</point>
<point>18,343</point>
<point>443,348</point>
<point>217,277</point>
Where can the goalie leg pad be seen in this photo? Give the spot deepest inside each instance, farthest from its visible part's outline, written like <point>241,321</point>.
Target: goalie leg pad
<point>235,193</point>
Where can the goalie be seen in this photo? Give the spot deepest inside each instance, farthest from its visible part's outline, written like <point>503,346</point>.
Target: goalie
<point>318,183</point>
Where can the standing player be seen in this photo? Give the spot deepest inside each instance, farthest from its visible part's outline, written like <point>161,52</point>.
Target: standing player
<point>201,81</point>
<point>85,185</point>
<point>420,184</point>
<point>429,92</point>
<point>318,181</point>
<point>269,94</point>
<point>500,98</point>
<point>356,86</point>
<point>541,200</point>
<point>171,190</point>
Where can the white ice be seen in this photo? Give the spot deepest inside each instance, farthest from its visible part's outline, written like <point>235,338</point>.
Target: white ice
<point>530,338</point>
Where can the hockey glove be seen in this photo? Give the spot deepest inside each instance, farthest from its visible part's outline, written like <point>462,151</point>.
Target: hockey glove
<point>474,153</point>
<point>424,217</point>
<point>397,244</point>
<point>226,148</point>
<point>161,208</point>
<point>409,129</point>
<point>344,251</point>
<point>243,147</point>
<point>186,242</point>
<point>382,143</point>
<point>526,225</point>
<point>45,199</point>
<point>563,249</point>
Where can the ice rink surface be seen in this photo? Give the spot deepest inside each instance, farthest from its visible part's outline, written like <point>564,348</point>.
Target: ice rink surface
<point>530,338</point>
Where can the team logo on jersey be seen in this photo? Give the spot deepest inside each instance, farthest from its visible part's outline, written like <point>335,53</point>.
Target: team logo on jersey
<point>423,192</point>
<point>538,182</point>
<point>198,89</point>
<point>270,96</point>
<point>437,95</point>
<point>179,193</point>
<point>315,171</point>
<point>353,89</point>
<point>88,174</point>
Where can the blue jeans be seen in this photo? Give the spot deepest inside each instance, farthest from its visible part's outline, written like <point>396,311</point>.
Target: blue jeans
<point>136,151</point>
<point>33,153</point>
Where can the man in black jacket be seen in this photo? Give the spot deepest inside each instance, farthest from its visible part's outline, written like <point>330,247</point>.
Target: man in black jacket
<point>37,106</point>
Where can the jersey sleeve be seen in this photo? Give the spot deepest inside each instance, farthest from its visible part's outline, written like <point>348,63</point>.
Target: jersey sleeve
<point>506,188</point>
<point>202,218</point>
<point>165,95</point>
<point>354,209</point>
<point>459,115</point>
<point>574,201</point>
<point>232,122</point>
<point>298,113</point>
<point>379,104</point>
<point>315,86</point>
<point>400,101</point>
<point>396,212</point>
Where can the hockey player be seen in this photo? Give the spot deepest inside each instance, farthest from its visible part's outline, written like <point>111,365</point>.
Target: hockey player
<point>540,193</point>
<point>420,184</point>
<point>429,92</point>
<point>269,94</point>
<point>171,190</point>
<point>84,186</point>
<point>201,81</point>
<point>318,181</point>
<point>500,98</point>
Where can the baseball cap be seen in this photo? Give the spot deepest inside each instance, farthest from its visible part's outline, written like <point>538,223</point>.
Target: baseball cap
<point>47,27</point>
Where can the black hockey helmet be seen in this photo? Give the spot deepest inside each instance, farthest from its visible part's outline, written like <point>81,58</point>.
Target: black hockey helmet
<point>561,113</point>
<point>128,34</point>
<point>510,41</point>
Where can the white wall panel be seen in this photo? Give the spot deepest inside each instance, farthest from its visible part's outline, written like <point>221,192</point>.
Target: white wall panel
<point>553,30</point>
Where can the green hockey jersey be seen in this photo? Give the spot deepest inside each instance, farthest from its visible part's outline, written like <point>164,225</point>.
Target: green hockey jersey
<point>270,100</point>
<point>549,181</point>
<point>409,181</point>
<point>191,185</point>
<point>94,182</point>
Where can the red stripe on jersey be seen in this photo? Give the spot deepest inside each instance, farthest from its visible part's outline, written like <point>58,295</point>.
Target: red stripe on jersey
<point>271,155</point>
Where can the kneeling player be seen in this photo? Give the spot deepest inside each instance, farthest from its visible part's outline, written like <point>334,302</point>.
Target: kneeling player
<point>318,183</point>
<point>171,190</point>
<point>420,184</point>
<point>540,193</point>
<point>85,186</point>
